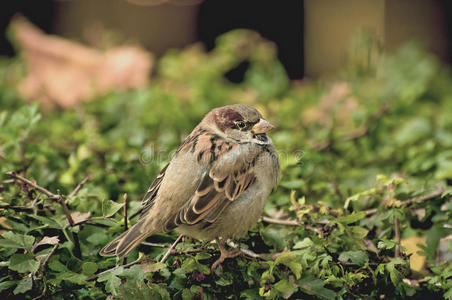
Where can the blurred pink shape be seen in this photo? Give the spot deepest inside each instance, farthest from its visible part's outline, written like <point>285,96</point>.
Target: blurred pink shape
<point>64,73</point>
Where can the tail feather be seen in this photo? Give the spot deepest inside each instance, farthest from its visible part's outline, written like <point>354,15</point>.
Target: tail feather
<point>126,242</point>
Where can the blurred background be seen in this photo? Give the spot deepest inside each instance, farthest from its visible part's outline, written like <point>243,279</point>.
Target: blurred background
<point>360,91</point>
<point>312,36</point>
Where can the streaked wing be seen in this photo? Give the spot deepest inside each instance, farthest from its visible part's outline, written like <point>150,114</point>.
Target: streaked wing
<point>149,197</point>
<point>229,177</point>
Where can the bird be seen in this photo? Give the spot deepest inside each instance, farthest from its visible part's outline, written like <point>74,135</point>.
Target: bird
<point>215,185</point>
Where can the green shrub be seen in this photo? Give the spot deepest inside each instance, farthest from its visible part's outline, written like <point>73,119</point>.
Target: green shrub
<point>366,163</point>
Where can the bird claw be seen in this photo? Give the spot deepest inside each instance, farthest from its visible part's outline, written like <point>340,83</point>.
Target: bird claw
<point>224,254</point>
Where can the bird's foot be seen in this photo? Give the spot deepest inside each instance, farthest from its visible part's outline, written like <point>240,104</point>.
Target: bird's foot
<point>224,254</point>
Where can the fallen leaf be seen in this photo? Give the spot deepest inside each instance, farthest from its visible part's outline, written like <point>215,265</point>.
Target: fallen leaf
<point>64,73</point>
<point>47,240</point>
<point>78,217</point>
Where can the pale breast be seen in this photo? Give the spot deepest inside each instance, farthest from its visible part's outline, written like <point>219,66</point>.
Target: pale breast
<point>245,211</point>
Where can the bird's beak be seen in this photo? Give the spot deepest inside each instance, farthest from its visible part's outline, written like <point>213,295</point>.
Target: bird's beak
<point>262,127</point>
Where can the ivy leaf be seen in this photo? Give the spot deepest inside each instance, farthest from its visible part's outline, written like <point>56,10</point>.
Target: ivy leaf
<point>56,265</point>
<point>358,232</point>
<point>112,279</point>
<point>47,240</point>
<point>110,207</point>
<point>6,285</point>
<point>357,257</point>
<point>16,240</point>
<point>352,218</point>
<point>152,267</point>
<point>89,268</point>
<point>315,287</point>
<point>285,288</point>
<point>289,259</point>
<point>23,263</point>
<point>24,285</point>
<point>135,272</point>
<point>395,275</point>
<point>305,243</point>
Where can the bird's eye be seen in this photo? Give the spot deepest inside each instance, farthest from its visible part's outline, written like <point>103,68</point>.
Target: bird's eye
<point>240,125</point>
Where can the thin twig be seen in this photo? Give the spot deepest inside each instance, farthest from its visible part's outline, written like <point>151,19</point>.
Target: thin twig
<point>397,236</point>
<point>171,248</point>
<point>33,204</point>
<point>411,201</point>
<point>247,252</point>
<point>189,251</point>
<point>65,210</point>
<point>91,222</point>
<point>32,184</point>
<point>136,213</point>
<point>78,188</point>
<point>371,211</point>
<point>423,198</point>
<point>125,212</point>
<point>280,222</point>
<point>44,264</point>
<point>154,244</point>
<point>78,251</point>
<point>291,223</point>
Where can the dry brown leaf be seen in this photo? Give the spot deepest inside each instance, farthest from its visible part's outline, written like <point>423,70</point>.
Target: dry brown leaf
<point>80,217</point>
<point>47,240</point>
<point>63,73</point>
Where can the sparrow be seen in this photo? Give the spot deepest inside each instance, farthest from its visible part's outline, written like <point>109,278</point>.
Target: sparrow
<point>214,187</point>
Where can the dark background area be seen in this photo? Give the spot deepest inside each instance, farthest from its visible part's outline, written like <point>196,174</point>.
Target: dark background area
<point>279,21</point>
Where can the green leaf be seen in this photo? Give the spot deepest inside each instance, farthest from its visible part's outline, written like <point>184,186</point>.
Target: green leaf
<point>358,232</point>
<point>289,259</point>
<point>354,217</point>
<point>357,257</point>
<point>448,294</point>
<point>315,287</point>
<point>24,285</point>
<point>15,240</point>
<point>202,256</point>
<point>285,288</point>
<point>4,285</point>
<point>89,268</point>
<point>112,279</point>
<point>386,244</point>
<point>109,207</point>
<point>394,274</point>
<point>153,267</point>
<point>305,243</point>
<point>56,265</point>
<point>23,263</point>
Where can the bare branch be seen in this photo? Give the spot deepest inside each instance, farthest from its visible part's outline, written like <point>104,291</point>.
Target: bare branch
<point>78,251</point>
<point>78,187</point>
<point>125,212</point>
<point>280,222</point>
<point>33,185</point>
<point>154,244</point>
<point>46,261</point>
<point>171,248</point>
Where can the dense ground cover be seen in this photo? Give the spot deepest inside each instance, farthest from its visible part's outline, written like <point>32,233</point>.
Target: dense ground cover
<point>366,165</point>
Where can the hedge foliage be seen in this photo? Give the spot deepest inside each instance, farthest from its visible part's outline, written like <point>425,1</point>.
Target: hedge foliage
<point>366,165</point>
